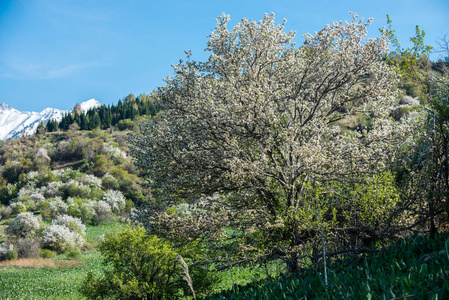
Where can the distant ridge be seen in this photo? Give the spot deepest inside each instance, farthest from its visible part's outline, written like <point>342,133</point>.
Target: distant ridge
<point>15,123</point>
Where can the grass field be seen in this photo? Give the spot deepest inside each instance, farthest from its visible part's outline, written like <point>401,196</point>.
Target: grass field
<point>60,282</point>
<point>58,278</point>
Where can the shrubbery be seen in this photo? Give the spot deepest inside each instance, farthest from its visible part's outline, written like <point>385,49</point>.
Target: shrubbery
<point>25,224</point>
<point>60,238</point>
<point>142,267</point>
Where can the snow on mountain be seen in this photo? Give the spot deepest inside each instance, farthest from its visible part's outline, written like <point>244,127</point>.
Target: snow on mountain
<point>86,105</point>
<point>15,123</point>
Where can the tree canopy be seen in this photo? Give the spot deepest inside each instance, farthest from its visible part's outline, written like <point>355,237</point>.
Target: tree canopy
<point>261,126</point>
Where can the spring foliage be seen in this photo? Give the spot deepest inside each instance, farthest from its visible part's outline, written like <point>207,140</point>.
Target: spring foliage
<point>141,267</point>
<point>259,129</point>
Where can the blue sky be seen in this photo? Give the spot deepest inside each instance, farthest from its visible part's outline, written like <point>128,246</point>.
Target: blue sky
<point>55,53</point>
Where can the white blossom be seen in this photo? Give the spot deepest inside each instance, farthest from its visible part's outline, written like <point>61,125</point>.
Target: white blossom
<point>24,224</point>
<point>57,207</point>
<point>60,238</point>
<point>91,181</point>
<point>115,199</point>
<point>74,224</point>
<point>113,151</point>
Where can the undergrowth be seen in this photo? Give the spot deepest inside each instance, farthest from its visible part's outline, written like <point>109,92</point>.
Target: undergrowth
<point>416,267</point>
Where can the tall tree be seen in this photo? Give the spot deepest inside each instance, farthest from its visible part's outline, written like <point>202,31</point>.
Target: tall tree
<point>259,125</point>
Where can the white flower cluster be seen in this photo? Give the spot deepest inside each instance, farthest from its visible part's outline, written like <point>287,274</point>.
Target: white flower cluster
<point>53,189</point>
<point>57,207</point>
<point>23,225</point>
<point>32,175</point>
<point>111,150</point>
<point>91,181</point>
<point>74,224</point>
<point>409,101</point>
<point>115,199</point>
<point>102,211</point>
<point>60,238</point>
<point>59,173</point>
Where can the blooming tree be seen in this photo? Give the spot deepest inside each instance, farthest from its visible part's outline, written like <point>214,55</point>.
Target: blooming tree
<point>260,126</point>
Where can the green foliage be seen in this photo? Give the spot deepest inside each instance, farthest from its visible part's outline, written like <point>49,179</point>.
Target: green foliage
<point>46,253</point>
<point>105,116</point>
<point>126,124</point>
<point>128,184</point>
<point>8,192</point>
<point>74,254</point>
<point>140,267</point>
<point>101,165</point>
<point>417,267</point>
<point>11,255</point>
<point>48,283</point>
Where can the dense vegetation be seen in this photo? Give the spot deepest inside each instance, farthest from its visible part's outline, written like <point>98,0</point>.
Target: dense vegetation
<point>120,115</point>
<point>268,171</point>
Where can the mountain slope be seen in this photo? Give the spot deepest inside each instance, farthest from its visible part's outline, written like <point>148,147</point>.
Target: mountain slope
<point>14,123</point>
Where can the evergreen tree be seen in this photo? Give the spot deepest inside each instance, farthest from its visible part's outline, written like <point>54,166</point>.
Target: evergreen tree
<point>84,122</point>
<point>94,121</point>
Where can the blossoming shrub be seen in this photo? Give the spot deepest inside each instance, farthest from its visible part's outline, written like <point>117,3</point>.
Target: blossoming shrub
<point>60,238</point>
<point>27,247</point>
<point>113,150</point>
<point>25,224</point>
<point>91,181</point>
<point>110,182</point>
<point>53,189</point>
<point>102,212</point>
<point>74,224</point>
<point>87,211</point>
<point>142,267</point>
<point>56,207</point>
<point>115,199</point>
<point>77,189</point>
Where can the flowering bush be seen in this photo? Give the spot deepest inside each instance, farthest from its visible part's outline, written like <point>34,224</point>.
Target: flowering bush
<point>74,224</point>
<point>91,181</point>
<point>102,212</point>
<point>65,175</point>
<point>53,189</point>
<point>17,208</point>
<point>61,238</point>
<point>113,150</point>
<point>5,212</point>
<point>87,211</point>
<point>56,208</point>
<point>77,189</point>
<point>25,224</point>
<point>115,199</point>
<point>110,182</point>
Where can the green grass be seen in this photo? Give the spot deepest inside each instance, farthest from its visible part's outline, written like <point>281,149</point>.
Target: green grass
<point>47,283</point>
<point>59,283</point>
<point>94,233</point>
<point>416,267</point>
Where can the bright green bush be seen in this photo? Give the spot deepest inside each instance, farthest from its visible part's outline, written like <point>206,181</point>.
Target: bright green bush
<point>141,267</point>
<point>74,254</point>
<point>46,253</point>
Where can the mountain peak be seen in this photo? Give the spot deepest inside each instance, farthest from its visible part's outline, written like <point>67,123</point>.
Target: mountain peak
<point>91,103</point>
<point>4,106</point>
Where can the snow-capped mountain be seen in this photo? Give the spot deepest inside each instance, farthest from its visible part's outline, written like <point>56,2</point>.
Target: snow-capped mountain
<point>86,105</point>
<point>15,123</point>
